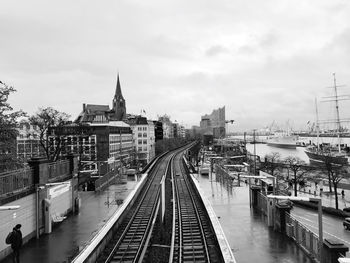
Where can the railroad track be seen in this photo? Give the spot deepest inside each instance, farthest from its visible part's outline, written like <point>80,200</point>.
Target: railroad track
<point>129,243</point>
<point>194,240</point>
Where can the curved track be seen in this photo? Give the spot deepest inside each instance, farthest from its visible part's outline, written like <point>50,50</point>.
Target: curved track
<point>130,241</point>
<point>193,239</point>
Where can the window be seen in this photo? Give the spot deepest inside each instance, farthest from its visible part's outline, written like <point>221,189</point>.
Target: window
<point>139,135</point>
<point>144,141</point>
<point>140,149</point>
<point>139,141</point>
<point>144,134</point>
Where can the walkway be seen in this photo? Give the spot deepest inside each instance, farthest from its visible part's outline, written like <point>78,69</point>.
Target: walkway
<point>250,238</point>
<point>72,234</point>
<point>328,199</point>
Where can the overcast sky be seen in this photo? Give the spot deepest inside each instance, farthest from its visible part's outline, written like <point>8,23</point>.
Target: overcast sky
<point>264,60</point>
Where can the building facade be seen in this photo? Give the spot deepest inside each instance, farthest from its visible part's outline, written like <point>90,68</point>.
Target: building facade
<point>93,113</point>
<point>143,139</point>
<point>101,147</point>
<point>107,142</point>
<point>158,130</point>
<point>28,141</point>
<point>167,125</point>
<point>214,123</point>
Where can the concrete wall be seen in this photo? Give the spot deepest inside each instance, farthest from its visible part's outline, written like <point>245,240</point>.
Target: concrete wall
<point>61,204</point>
<point>25,215</point>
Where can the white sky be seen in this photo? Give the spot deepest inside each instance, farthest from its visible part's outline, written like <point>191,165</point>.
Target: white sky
<point>265,60</point>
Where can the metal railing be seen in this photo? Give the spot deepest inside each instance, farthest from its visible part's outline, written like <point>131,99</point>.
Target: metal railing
<point>262,203</point>
<point>16,181</point>
<point>106,179</point>
<point>303,236</point>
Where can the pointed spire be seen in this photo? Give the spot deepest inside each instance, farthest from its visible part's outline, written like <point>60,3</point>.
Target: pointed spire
<point>118,90</point>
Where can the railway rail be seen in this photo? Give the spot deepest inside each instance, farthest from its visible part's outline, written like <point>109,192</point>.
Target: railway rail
<point>130,242</point>
<point>194,240</point>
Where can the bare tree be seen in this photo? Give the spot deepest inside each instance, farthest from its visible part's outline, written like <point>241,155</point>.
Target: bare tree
<point>329,167</point>
<point>8,131</point>
<point>298,168</point>
<point>50,120</point>
<point>272,163</point>
<point>335,173</point>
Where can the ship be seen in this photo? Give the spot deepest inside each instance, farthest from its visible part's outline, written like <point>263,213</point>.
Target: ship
<point>283,141</point>
<point>319,153</point>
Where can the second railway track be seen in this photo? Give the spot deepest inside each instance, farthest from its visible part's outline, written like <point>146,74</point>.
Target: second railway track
<point>195,240</point>
<point>193,237</point>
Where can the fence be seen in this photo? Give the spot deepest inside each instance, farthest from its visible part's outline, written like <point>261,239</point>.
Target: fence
<point>16,180</point>
<point>58,168</point>
<point>262,203</point>
<point>303,236</point>
<point>106,179</point>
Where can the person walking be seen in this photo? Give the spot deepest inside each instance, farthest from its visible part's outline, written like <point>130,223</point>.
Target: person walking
<point>16,242</point>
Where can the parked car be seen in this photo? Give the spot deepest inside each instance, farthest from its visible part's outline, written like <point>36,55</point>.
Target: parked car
<point>346,209</point>
<point>346,223</point>
<point>286,203</point>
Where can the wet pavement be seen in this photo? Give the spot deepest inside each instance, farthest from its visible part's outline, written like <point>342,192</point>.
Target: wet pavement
<point>72,234</point>
<point>247,233</point>
<point>328,199</point>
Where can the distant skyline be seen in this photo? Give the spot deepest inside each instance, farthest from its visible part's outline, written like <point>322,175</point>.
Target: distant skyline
<point>264,60</point>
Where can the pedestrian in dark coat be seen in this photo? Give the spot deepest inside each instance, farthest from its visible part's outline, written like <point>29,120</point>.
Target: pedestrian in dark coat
<point>16,242</point>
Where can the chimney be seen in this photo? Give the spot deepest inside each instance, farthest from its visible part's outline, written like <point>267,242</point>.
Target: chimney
<point>84,107</point>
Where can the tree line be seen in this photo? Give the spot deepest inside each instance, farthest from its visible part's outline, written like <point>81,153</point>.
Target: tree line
<point>48,121</point>
<point>298,172</point>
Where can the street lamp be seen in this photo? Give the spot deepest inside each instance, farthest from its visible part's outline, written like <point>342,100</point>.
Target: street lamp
<point>254,152</point>
<point>308,199</point>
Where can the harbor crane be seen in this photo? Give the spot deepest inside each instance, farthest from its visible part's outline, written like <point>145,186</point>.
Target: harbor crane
<point>226,124</point>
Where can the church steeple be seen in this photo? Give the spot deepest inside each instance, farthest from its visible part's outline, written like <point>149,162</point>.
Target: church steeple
<point>118,90</point>
<point>119,107</point>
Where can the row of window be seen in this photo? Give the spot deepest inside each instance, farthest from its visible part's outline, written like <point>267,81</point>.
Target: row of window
<point>142,128</point>
<point>28,136</point>
<point>116,138</point>
<point>139,149</point>
<point>75,140</point>
<point>141,141</point>
<point>142,135</point>
<point>116,147</point>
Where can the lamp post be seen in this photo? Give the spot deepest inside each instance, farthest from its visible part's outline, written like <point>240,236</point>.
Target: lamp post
<point>319,205</point>
<point>254,151</point>
<point>37,189</point>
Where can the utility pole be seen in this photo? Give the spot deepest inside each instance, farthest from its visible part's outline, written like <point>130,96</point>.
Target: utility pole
<point>120,152</point>
<point>254,151</point>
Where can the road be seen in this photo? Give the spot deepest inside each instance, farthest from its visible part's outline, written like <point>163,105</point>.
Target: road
<point>332,226</point>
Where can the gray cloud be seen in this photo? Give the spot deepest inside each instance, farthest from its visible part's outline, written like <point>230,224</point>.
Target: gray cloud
<point>216,50</point>
<point>263,60</point>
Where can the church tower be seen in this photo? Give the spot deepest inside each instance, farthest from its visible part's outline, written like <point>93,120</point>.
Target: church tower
<point>119,107</point>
